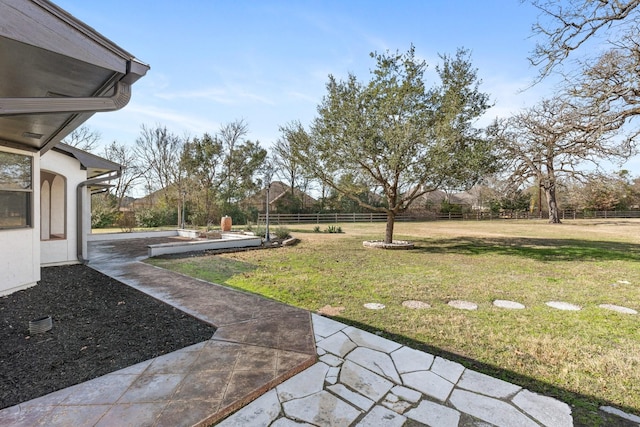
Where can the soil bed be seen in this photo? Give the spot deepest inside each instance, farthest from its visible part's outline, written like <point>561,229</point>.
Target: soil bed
<point>99,326</point>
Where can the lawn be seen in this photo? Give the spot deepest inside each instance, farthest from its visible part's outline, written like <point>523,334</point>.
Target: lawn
<point>588,358</point>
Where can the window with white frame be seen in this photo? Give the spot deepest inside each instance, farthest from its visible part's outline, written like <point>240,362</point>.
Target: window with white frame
<point>16,190</point>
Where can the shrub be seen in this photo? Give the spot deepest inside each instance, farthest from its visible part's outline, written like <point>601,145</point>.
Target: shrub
<point>282,232</point>
<point>333,229</point>
<point>316,229</point>
<point>103,217</point>
<point>126,221</point>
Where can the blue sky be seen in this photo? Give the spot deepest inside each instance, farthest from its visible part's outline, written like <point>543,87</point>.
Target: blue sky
<point>267,62</point>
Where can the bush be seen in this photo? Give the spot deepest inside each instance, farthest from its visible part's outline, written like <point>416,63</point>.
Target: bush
<point>126,221</point>
<point>333,229</point>
<point>155,217</point>
<point>103,217</point>
<point>316,229</point>
<point>282,232</point>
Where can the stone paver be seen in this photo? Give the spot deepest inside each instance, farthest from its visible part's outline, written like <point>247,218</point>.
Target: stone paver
<point>382,417</point>
<point>409,360</point>
<point>433,414</point>
<point>321,409</point>
<point>338,344</point>
<point>307,382</point>
<point>260,412</point>
<point>548,411</point>
<point>450,371</point>
<point>491,410</point>
<point>375,361</point>
<point>481,383</point>
<point>369,340</point>
<point>430,391</point>
<point>621,414</point>
<point>365,381</point>
<point>429,384</point>
<point>356,399</point>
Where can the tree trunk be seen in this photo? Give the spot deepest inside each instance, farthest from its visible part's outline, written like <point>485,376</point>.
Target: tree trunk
<point>554,212</point>
<point>391,219</point>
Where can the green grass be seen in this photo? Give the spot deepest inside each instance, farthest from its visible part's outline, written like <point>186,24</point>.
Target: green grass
<point>587,358</point>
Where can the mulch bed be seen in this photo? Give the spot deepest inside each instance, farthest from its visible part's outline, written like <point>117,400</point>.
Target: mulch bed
<point>99,326</point>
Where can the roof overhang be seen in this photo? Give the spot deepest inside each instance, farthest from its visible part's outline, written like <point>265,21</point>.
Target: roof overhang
<point>56,72</point>
<point>94,165</point>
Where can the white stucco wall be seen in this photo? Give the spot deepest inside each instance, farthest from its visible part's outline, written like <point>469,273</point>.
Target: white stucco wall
<point>63,251</point>
<point>20,248</point>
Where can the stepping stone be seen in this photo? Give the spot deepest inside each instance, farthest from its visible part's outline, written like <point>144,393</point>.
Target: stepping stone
<point>508,304</point>
<point>563,306</point>
<point>416,305</point>
<point>374,306</point>
<point>463,305</point>
<point>330,311</point>
<point>618,308</point>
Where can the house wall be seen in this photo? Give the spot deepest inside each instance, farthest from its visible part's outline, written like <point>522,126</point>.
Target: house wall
<point>60,251</point>
<point>20,248</point>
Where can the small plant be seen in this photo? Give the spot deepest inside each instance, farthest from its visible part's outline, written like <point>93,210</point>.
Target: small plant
<point>282,232</point>
<point>316,229</point>
<point>333,229</point>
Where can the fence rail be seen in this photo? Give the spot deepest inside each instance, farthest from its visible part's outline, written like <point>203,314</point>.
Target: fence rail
<point>320,218</point>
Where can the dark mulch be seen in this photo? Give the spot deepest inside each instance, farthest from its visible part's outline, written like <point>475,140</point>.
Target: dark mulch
<point>99,326</point>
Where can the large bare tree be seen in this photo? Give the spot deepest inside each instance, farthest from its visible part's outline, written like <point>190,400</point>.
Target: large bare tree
<point>564,27</point>
<point>555,139</point>
<point>603,38</point>
<point>132,170</point>
<point>84,138</point>
<point>159,150</point>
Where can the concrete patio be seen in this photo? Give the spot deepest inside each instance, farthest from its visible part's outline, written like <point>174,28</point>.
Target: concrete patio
<point>269,364</point>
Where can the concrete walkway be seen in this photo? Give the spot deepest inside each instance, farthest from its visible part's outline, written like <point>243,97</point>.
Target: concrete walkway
<point>280,366</point>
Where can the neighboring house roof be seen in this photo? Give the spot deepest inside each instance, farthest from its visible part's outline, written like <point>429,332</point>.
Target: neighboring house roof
<point>56,73</point>
<point>277,190</point>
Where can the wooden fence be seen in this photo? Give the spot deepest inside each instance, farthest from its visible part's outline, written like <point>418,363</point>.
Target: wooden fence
<point>321,218</point>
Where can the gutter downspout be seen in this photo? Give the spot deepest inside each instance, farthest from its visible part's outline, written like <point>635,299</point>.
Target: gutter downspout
<point>80,196</point>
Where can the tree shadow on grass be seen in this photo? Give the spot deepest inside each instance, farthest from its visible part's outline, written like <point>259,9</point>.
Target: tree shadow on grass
<point>584,408</point>
<point>540,249</point>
